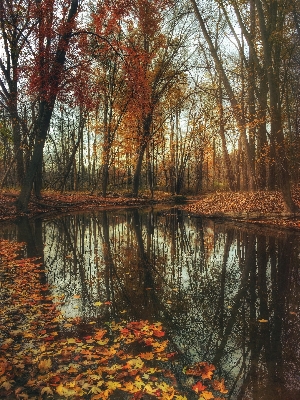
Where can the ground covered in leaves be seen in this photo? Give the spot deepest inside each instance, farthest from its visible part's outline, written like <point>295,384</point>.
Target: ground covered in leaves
<point>46,355</point>
<point>259,207</point>
<point>54,202</point>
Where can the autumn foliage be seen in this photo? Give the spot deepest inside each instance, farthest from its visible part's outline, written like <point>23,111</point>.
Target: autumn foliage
<point>46,354</point>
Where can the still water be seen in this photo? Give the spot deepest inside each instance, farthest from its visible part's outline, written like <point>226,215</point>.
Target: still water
<point>226,294</point>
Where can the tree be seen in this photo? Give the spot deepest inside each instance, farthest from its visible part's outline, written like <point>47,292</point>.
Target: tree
<point>50,66</point>
<point>16,26</point>
<point>155,62</point>
<point>271,23</point>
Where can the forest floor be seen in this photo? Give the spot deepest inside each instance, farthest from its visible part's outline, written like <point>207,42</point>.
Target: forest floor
<point>261,207</point>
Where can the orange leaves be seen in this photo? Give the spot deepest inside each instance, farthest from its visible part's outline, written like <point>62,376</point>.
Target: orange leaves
<point>206,371</point>
<point>198,387</point>
<point>99,334</point>
<point>3,366</point>
<point>220,386</point>
<point>202,369</point>
<point>250,202</point>
<point>125,357</point>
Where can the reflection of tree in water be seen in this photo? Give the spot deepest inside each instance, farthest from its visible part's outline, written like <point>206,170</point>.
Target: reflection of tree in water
<point>227,295</point>
<point>242,325</point>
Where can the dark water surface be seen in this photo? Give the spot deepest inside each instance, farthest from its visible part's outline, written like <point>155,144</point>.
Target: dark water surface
<point>225,294</point>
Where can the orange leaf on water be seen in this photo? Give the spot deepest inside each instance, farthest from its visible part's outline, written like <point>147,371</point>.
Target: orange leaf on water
<point>198,387</point>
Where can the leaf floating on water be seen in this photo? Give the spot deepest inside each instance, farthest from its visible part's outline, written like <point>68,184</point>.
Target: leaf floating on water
<point>198,387</point>
<point>220,386</point>
<point>206,396</point>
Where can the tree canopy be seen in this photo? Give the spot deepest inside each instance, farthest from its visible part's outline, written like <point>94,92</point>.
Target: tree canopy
<point>130,95</point>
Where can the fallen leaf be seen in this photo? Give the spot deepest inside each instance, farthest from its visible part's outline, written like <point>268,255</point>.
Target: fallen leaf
<point>219,386</point>
<point>198,387</point>
<point>45,365</point>
<point>47,390</point>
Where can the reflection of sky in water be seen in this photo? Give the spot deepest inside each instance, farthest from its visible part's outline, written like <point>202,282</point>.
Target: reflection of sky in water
<point>196,276</point>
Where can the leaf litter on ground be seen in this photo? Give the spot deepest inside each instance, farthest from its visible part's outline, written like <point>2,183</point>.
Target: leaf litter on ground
<point>38,360</point>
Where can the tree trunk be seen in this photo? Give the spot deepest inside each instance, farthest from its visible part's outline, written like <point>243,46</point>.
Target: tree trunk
<point>277,135</point>
<point>145,136</point>
<point>229,170</point>
<point>46,109</point>
<point>138,169</point>
<point>72,157</point>
<point>42,127</point>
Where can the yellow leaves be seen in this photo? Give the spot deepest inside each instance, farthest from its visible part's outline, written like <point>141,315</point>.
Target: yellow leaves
<point>206,395</point>
<point>135,363</point>
<point>45,365</point>
<point>112,385</point>
<point>98,304</point>
<point>71,341</point>
<point>65,391</point>
<point>47,390</point>
<point>103,342</point>
<point>95,365</point>
<point>7,343</point>
<point>7,385</point>
<point>160,346</point>
<point>129,387</point>
<point>95,390</point>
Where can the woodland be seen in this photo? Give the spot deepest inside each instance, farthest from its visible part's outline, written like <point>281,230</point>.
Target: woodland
<point>136,97</point>
<point>128,103</point>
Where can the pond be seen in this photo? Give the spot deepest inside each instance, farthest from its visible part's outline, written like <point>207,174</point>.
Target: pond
<point>227,294</point>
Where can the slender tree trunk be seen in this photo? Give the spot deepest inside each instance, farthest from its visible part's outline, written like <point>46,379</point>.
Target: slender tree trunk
<point>229,170</point>
<point>145,136</point>
<point>73,154</point>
